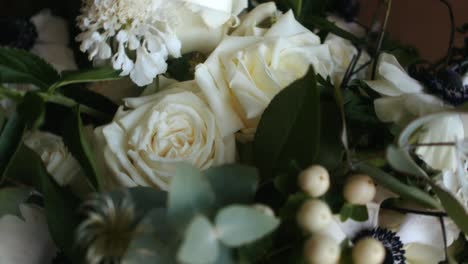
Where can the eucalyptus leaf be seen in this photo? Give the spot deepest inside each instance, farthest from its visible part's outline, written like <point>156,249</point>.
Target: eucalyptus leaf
<point>75,139</point>
<point>190,194</point>
<point>239,225</point>
<point>10,140</point>
<point>233,183</point>
<point>87,76</point>
<point>405,191</point>
<point>200,245</point>
<point>32,110</point>
<point>19,66</point>
<point>401,161</point>
<point>290,127</point>
<point>11,199</point>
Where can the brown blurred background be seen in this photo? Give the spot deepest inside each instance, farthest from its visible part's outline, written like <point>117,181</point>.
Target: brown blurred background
<point>421,23</point>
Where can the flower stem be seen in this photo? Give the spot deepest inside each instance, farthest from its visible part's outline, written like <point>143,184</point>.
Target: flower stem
<point>444,236</point>
<point>448,59</point>
<point>381,38</point>
<point>413,211</point>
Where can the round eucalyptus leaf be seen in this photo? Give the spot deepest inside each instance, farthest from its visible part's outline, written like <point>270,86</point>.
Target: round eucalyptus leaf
<point>238,225</point>
<point>200,245</point>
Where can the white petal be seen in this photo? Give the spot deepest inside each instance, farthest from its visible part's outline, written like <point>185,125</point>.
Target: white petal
<point>422,254</point>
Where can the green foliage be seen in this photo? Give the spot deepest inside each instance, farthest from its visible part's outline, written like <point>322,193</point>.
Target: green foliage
<point>290,126</point>
<point>32,110</point>
<point>9,140</point>
<point>19,66</point>
<point>11,199</point>
<point>242,182</point>
<point>200,244</point>
<point>190,194</point>
<point>325,25</point>
<point>238,225</point>
<point>75,140</point>
<point>87,76</point>
<point>355,212</point>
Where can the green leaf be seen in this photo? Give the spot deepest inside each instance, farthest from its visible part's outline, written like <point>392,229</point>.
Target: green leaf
<point>60,205</point>
<point>242,183</point>
<point>19,66</point>
<point>11,199</point>
<point>146,199</point>
<point>75,140</point>
<point>356,212</point>
<point>452,206</point>
<point>155,243</point>
<point>238,225</point>
<point>290,127</point>
<point>32,110</point>
<point>200,245</point>
<point>87,76</point>
<point>405,191</point>
<point>401,161</point>
<point>323,24</point>
<point>190,194</point>
<point>10,139</point>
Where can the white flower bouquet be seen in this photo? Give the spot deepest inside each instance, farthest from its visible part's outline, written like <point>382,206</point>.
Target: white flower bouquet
<point>229,131</point>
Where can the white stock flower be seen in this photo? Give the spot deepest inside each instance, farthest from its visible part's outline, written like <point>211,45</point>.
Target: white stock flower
<point>26,241</point>
<point>153,133</point>
<point>244,73</point>
<point>137,28</point>
<point>59,162</point>
<point>404,100</point>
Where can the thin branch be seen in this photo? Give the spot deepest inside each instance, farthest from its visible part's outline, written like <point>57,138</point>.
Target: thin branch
<point>448,59</point>
<point>413,211</point>
<point>444,235</point>
<point>381,38</point>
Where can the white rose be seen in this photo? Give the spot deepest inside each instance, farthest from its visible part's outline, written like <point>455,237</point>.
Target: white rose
<point>244,73</point>
<point>153,133</point>
<point>59,162</point>
<point>203,23</point>
<point>26,241</point>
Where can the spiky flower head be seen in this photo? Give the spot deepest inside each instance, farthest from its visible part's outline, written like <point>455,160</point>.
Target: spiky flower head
<point>108,229</point>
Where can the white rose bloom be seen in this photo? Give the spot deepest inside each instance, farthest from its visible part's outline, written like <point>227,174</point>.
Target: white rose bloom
<point>404,100</point>
<point>59,162</point>
<point>26,241</point>
<point>153,133</point>
<point>244,73</point>
<point>202,24</point>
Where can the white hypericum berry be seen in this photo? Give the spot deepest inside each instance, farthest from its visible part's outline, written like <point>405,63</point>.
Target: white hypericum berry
<point>315,181</point>
<point>314,215</point>
<point>368,251</point>
<point>359,189</point>
<point>321,249</point>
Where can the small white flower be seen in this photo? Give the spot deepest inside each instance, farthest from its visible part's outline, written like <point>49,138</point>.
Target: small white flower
<point>141,28</point>
<point>59,162</point>
<point>26,241</point>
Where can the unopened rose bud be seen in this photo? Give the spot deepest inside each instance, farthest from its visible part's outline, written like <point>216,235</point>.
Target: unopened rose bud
<point>368,251</point>
<point>314,215</point>
<point>359,189</point>
<point>315,181</point>
<point>321,249</point>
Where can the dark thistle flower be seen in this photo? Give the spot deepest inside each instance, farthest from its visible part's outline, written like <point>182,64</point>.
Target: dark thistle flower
<point>348,9</point>
<point>17,33</point>
<point>395,254</point>
<point>107,230</point>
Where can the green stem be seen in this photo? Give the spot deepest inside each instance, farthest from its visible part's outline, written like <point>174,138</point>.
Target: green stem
<point>65,101</point>
<point>381,38</point>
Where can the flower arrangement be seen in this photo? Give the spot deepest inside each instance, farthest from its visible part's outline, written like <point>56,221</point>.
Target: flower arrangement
<point>230,131</point>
